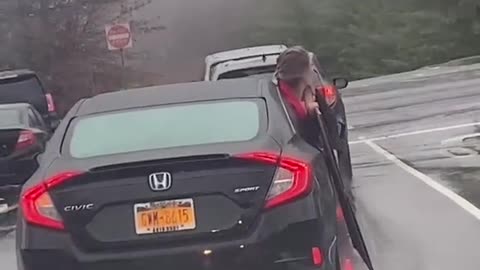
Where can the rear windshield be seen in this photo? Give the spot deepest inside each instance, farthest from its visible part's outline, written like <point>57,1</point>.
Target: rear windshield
<point>10,117</point>
<point>23,90</point>
<point>246,72</point>
<point>165,127</point>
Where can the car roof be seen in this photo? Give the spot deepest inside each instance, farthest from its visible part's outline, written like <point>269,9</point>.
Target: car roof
<point>8,74</point>
<point>244,53</point>
<point>171,94</point>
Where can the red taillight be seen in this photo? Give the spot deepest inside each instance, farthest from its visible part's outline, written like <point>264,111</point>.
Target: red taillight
<point>329,92</point>
<point>26,138</point>
<point>348,265</point>
<point>37,205</point>
<point>317,256</point>
<point>50,103</point>
<point>292,180</point>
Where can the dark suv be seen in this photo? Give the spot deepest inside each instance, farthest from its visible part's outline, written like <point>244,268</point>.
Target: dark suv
<point>24,86</point>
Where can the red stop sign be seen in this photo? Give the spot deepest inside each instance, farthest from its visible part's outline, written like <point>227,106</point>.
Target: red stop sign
<point>119,36</point>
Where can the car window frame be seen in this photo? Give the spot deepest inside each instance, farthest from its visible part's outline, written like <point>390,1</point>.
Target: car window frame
<point>43,125</point>
<point>32,119</point>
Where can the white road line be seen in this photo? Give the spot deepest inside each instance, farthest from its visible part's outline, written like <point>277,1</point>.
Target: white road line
<point>460,139</point>
<point>461,157</point>
<point>460,201</point>
<point>417,132</point>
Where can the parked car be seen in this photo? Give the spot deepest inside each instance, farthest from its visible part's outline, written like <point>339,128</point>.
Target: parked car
<point>23,135</point>
<point>24,86</point>
<point>167,177</point>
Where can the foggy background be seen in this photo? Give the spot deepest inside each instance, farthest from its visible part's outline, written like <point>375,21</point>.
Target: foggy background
<point>193,29</point>
<point>64,40</point>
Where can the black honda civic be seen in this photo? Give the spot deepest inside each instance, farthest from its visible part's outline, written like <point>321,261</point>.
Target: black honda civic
<point>189,176</point>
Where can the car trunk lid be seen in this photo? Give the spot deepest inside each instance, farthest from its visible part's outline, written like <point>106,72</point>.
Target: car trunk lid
<point>117,205</point>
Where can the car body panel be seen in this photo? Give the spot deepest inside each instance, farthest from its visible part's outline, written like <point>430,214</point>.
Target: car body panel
<point>210,180</point>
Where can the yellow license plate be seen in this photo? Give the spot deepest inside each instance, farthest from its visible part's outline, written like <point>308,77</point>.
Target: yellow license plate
<point>164,216</point>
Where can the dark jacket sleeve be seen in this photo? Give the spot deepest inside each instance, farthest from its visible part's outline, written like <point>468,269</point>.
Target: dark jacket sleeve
<point>310,131</point>
<point>311,127</point>
<point>308,128</point>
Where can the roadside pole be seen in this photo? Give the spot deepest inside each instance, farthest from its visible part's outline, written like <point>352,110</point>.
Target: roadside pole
<point>122,57</point>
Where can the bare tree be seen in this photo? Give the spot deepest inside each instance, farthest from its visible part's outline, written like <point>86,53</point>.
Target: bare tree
<point>64,41</point>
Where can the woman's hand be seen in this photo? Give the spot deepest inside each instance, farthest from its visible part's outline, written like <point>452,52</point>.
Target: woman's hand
<point>309,99</point>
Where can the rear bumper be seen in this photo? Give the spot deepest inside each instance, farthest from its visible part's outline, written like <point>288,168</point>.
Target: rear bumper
<point>282,237</point>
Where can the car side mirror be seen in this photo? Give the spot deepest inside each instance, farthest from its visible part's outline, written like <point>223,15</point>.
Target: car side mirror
<point>340,83</point>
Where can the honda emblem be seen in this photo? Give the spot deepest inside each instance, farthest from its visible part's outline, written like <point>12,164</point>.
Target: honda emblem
<point>160,181</point>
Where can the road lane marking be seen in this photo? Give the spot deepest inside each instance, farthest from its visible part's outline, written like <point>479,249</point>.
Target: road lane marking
<point>460,157</point>
<point>460,139</point>
<point>460,201</point>
<point>417,132</point>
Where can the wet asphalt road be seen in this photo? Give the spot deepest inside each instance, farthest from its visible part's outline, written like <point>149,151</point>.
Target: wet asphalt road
<point>409,133</point>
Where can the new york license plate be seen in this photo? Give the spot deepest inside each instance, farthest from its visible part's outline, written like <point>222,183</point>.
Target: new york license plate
<point>164,216</point>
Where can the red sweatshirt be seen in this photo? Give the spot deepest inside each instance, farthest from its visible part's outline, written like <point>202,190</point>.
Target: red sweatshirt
<point>298,105</point>
<point>309,128</point>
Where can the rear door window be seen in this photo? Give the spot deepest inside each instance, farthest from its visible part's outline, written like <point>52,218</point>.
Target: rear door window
<point>24,89</point>
<point>10,117</point>
<point>162,127</point>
